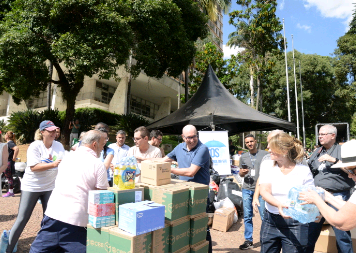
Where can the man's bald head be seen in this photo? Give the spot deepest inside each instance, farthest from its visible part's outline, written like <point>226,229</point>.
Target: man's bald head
<point>189,128</point>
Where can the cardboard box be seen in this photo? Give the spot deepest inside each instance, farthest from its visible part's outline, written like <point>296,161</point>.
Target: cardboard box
<point>179,234</point>
<point>97,239</point>
<point>160,239</point>
<point>123,242</point>
<point>198,194</point>
<point>100,197</point>
<point>100,210</point>
<point>223,219</point>
<point>126,196</point>
<point>175,198</point>
<point>99,222</point>
<point>155,173</point>
<point>185,249</point>
<point>141,217</point>
<point>200,248</point>
<point>198,229</point>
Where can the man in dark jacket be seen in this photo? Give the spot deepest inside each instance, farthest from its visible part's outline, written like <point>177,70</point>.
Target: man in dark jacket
<point>333,180</point>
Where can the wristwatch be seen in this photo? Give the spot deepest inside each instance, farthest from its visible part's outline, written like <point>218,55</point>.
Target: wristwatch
<point>336,160</point>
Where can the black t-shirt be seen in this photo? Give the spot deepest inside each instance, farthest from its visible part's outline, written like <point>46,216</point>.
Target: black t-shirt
<point>11,144</point>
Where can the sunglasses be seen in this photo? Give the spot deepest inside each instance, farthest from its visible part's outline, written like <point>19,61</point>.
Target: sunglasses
<point>349,170</point>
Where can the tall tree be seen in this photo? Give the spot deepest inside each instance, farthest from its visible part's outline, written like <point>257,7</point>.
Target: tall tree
<point>82,38</point>
<point>258,31</point>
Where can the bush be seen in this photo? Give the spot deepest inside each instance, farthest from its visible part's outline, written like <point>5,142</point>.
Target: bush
<point>25,123</point>
<point>91,116</point>
<point>130,122</point>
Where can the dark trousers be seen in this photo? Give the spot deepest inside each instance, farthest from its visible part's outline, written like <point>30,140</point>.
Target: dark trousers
<point>343,238</point>
<point>278,234</point>
<point>59,237</point>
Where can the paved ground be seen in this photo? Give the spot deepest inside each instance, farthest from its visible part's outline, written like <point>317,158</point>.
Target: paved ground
<point>223,242</point>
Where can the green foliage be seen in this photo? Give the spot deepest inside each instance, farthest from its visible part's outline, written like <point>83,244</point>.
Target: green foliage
<point>130,122</point>
<point>91,116</point>
<point>3,126</point>
<point>258,31</point>
<point>209,55</point>
<point>86,38</point>
<point>174,140</point>
<point>25,123</point>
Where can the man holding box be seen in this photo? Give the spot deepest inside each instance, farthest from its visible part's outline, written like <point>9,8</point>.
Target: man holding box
<point>63,226</point>
<point>193,160</point>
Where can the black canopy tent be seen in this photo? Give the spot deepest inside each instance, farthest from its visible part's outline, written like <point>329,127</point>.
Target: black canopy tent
<point>213,104</point>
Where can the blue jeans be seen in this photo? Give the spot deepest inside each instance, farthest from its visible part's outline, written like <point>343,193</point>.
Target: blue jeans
<point>59,237</point>
<point>247,196</point>
<point>278,234</point>
<point>343,238</point>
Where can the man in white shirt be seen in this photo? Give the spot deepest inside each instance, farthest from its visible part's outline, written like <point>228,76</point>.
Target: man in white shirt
<point>142,149</point>
<point>63,226</point>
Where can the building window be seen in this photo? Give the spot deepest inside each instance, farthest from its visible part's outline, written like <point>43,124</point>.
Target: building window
<point>143,107</point>
<point>38,102</point>
<point>103,92</point>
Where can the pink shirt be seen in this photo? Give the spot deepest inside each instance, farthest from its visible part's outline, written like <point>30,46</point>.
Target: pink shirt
<point>78,173</point>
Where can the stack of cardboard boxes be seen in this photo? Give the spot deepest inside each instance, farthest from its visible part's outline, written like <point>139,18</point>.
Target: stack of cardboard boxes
<point>185,218</point>
<point>101,209</point>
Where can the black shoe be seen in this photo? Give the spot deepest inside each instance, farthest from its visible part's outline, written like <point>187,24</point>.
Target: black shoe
<point>247,245</point>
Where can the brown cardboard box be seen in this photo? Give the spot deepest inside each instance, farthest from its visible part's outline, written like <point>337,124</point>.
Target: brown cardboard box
<point>155,173</point>
<point>223,219</point>
<point>236,162</point>
<point>327,241</point>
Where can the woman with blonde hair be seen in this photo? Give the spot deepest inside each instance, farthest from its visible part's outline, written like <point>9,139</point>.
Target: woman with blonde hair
<point>278,231</point>
<point>4,154</point>
<point>43,158</point>
<point>13,151</point>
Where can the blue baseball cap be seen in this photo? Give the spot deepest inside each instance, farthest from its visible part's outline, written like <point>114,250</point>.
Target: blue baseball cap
<point>47,125</point>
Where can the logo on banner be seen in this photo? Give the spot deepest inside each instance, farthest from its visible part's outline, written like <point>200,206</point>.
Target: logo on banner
<point>217,151</point>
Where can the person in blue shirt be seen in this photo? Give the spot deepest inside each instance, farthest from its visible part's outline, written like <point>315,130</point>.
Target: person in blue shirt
<point>193,161</point>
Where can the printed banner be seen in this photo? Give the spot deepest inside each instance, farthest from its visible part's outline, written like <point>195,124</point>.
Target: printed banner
<point>218,144</point>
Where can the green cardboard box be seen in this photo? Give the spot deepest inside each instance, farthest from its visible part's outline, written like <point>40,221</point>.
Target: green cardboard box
<point>123,242</point>
<point>174,197</point>
<point>160,239</point>
<point>198,194</point>
<point>185,249</point>
<point>202,247</point>
<point>126,196</point>
<point>179,234</point>
<point>198,227</point>
<point>97,239</point>
<point>147,192</point>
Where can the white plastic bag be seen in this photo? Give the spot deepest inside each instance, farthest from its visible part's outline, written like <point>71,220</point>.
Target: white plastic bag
<point>227,203</point>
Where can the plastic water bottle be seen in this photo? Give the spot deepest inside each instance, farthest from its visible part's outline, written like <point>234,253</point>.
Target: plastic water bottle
<point>4,242</point>
<point>303,213</point>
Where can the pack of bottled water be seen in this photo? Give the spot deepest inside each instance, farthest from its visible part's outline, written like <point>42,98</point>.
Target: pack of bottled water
<point>303,213</point>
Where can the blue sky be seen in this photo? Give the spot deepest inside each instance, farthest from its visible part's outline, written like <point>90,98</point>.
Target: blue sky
<point>315,24</point>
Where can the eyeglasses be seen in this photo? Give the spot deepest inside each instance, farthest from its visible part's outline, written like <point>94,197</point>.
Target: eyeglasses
<point>159,139</point>
<point>351,170</point>
<point>136,139</point>
<point>191,137</point>
<point>323,134</point>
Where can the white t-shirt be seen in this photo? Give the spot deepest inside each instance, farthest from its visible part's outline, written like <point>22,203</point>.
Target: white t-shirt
<point>152,152</point>
<point>119,152</point>
<point>38,153</point>
<point>281,184</point>
<point>78,173</point>
<point>352,199</point>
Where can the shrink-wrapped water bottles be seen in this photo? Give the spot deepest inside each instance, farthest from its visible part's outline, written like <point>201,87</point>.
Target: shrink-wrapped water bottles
<point>303,213</point>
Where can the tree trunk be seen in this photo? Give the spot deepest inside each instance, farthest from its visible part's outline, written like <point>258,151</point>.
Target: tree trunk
<point>251,88</point>
<point>258,93</point>
<point>186,84</point>
<point>49,88</point>
<point>69,117</point>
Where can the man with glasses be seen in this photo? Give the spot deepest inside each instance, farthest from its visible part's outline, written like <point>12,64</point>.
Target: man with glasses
<point>142,149</point>
<point>333,180</point>
<point>156,140</point>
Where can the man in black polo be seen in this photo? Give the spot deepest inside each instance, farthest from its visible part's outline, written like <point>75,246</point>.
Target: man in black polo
<point>250,169</point>
<point>333,180</point>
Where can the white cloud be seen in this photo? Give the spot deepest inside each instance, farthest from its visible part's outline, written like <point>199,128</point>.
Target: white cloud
<point>281,6</point>
<point>341,9</point>
<point>231,51</point>
<point>304,27</point>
